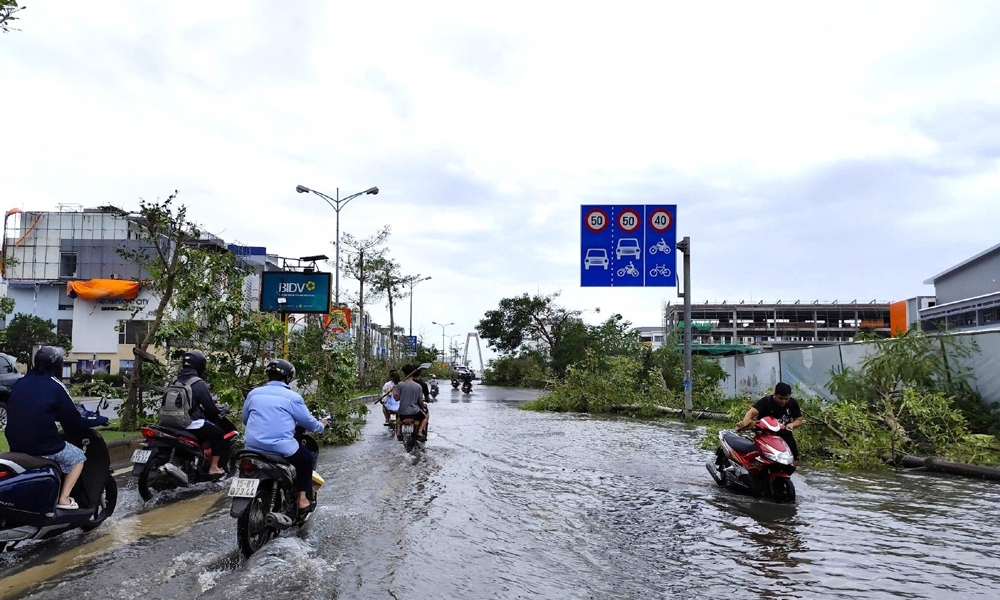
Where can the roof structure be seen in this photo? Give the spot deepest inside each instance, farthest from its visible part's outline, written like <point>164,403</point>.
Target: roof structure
<point>986,252</point>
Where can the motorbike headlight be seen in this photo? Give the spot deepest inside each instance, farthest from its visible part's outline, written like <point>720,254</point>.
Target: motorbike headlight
<point>783,457</point>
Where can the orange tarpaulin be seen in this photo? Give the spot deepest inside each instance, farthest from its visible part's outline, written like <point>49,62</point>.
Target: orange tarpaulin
<point>95,289</point>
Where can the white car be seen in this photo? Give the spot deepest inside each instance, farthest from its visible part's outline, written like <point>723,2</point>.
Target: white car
<point>596,257</point>
<point>628,247</point>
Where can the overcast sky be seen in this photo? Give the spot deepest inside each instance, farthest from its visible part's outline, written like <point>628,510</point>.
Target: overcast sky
<point>843,151</point>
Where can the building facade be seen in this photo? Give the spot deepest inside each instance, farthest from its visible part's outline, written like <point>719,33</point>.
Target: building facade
<point>48,250</point>
<point>780,324</point>
<point>967,295</point>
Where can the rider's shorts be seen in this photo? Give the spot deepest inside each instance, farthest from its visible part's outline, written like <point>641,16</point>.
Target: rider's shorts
<point>68,457</point>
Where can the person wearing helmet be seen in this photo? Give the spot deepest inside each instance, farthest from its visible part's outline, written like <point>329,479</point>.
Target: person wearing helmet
<point>204,412</point>
<point>37,401</point>
<point>271,413</point>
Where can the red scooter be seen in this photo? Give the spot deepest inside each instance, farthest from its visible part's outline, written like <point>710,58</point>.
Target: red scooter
<point>761,466</point>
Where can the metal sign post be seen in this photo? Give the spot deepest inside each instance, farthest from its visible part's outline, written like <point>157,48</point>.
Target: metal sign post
<point>685,247</point>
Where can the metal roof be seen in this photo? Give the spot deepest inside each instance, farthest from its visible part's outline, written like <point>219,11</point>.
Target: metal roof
<point>962,264</point>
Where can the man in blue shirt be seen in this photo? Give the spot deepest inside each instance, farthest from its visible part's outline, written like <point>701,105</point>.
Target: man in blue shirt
<point>37,401</point>
<point>271,413</point>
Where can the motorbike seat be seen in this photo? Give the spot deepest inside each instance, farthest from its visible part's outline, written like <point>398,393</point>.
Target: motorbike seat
<point>20,462</point>
<point>740,443</point>
<point>268,456</point>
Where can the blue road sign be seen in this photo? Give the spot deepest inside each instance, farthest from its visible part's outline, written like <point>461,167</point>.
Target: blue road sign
<point>628,245</point>
<point>410,347</point>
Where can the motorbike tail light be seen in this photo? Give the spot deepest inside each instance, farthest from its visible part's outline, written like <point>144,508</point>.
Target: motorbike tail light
<point>147,433</point>
<point>190,442</point>
<point>247,467</point>
<point>4,473</point>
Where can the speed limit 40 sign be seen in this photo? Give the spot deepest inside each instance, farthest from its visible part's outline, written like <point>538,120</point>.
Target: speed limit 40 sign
<point>628,245</point>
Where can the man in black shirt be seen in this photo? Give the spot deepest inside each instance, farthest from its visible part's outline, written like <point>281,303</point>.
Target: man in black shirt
<point>782,407</point>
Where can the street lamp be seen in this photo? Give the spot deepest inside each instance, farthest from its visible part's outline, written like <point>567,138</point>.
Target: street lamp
<point>337,204</point>
<point>412,281</point>
<point>442,326</point>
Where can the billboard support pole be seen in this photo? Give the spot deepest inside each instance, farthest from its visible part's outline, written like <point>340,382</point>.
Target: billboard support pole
<point>284,321</point>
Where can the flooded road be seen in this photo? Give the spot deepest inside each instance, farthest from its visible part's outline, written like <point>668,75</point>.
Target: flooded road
<point>507,503</point>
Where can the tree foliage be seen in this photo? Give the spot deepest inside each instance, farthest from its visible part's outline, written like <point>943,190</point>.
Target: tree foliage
<point>27,331</point>
<point>9,8</point>
<point>325,377</point>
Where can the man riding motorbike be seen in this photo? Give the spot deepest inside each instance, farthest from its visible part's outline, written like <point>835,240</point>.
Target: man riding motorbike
<point>203,408</point>
<point>782,407</point>
<point>389,402</point>
<point>271,413</point>
<point>411,403</point>
<point>36,402</point>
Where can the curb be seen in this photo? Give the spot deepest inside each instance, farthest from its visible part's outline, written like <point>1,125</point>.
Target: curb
<point>121,450</point>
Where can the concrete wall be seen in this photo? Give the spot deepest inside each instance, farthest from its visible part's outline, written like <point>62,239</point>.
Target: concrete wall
<point>810,368</point>
<point>974,279</point>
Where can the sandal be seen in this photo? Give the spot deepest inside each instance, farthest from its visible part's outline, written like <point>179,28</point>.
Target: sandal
<point>71,506</point>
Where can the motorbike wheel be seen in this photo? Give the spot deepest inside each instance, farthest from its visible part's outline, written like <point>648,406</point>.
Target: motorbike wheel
<point>3,416</point>
<point>721,462</point>
<point>251,531</point>
<point>783,490</point>
<point>105,505</point>
<point>151,480</point>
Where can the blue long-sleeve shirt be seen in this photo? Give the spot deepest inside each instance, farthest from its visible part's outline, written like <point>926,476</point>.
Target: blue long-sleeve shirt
<point>36,403</point>
<point>271,413</point>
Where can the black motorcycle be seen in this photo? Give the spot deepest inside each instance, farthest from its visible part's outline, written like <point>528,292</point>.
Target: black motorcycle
<point>30,487</point>
<point>467,387</point>
<point>265,499</point>
<point>454,383</point>
<point>434,391</point>
<point>408,429</point>
<point>172,457</point>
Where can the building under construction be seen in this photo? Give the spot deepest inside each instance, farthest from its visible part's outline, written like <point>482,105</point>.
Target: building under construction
<point>780,324</point>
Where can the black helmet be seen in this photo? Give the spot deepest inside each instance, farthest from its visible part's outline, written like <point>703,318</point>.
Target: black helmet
<point>49,360</point>
<point>280,370</point>
<point>195,359</point>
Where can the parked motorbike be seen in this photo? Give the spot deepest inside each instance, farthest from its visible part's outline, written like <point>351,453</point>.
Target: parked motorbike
<point>30,487</point>
<point>761,466</point>
<point>265,499</point>
<point>172,457</point>
<point>467,387</point>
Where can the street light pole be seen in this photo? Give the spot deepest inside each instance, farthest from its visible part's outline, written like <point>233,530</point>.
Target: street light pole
<point>337,204</point>
<point>442,326</point>
<point>412,281</point>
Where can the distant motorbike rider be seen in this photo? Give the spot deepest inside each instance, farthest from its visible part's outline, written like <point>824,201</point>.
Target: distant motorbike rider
<point>204,411</point>
<point>271,413</point>
<point>411,403</point>
<point>467,379</point>
<point>37,401</point>
<point>389,402</point>
<point>782,407</point>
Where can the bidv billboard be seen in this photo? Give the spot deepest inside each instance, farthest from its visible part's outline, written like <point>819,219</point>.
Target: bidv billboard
<point>295,292</point>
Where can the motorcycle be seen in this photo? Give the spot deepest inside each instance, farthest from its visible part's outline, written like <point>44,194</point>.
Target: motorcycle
<point>265,500</point>
<point>408,429</point>
<point>660,246</point>
<point>434,391</point>
<point>454,383</point>
<point>30,487</point>
<point>467,387</point>
<point>628,269</point>
<point>173,457</point>
<point>761,466</point>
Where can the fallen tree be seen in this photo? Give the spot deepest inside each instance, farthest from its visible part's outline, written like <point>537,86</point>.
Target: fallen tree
<point>942,466</point>
<point>696,414</point>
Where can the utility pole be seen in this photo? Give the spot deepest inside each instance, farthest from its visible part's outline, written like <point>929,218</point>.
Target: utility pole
<point>685,247</point>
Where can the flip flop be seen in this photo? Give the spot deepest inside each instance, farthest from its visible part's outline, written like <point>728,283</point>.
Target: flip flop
<point>71,506</point>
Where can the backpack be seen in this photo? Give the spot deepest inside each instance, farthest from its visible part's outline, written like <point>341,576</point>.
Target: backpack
<point>175,409</point>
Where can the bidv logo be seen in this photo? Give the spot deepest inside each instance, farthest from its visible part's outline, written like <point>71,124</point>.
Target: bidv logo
<point>296,288</point>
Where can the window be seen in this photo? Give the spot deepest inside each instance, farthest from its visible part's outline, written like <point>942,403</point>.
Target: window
<point>65,327</point>
<point>65,303</point>
<point>132,332</point>
<point>125,367</point>
<point>67,264</point>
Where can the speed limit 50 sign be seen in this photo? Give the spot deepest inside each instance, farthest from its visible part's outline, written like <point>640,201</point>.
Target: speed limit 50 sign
<point>628,245</point>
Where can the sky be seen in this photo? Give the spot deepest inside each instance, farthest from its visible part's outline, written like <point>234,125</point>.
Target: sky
<point>814,150</point>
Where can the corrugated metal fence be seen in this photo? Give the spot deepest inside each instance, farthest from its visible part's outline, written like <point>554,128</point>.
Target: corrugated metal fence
<point>756,374</point>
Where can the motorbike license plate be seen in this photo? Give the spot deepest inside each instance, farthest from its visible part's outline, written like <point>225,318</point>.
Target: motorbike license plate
<point>141,456</point>
<point>243,488</point>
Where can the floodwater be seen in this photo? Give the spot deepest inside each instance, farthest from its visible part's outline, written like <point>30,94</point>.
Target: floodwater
<point>506,503</point>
